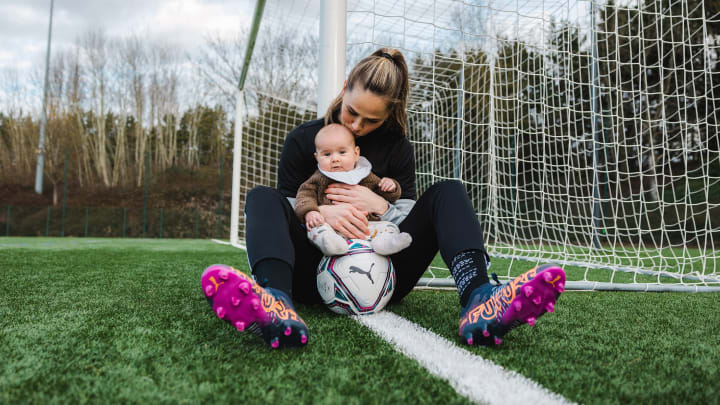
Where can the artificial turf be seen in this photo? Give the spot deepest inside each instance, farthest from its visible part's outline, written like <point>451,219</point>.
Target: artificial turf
<point>130,324</point>
<point>104,320</point>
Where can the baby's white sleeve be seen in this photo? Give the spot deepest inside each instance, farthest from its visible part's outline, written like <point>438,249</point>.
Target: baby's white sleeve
<point>397,212</point>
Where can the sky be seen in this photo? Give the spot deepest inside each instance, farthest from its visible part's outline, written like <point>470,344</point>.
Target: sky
<point>24,23</point>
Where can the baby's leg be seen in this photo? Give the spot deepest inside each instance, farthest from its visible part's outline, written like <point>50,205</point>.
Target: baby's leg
<point>327,240</point>
<point>386,238</point>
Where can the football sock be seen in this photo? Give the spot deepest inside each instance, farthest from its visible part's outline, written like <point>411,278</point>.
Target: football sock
<point>469,269</point>
<point>327,240</point>
<point>274,273</point>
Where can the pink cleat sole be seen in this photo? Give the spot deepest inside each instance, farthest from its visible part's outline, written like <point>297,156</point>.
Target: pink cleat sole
<point>538,296</point>
<point>232,297</point>
<point>236,298</point>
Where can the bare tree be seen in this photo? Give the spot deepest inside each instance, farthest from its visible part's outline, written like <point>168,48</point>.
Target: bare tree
<point>74,98</point>
<point>16,157</point>
<point>164,83</point>
<point>94,46</point>
<point>190,153</point>
<point>283,65</point>
<point>59,124</point>
<point>113,100</point>
<point>121,96</point>
<point>134,62</point>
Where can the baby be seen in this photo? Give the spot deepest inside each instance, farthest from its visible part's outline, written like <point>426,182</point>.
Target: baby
<point>339,161</point>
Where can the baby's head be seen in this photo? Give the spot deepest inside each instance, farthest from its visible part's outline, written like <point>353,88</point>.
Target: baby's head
<point>335,149</point>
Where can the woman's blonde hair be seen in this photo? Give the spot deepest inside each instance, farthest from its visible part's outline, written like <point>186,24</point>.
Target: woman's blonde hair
<point>385,74</point>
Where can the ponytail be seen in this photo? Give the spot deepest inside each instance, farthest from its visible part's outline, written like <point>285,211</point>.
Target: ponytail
<point>385,74</point>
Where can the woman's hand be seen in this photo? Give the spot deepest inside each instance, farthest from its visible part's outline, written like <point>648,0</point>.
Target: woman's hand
<point>346,219</point>
<point>360,197</point>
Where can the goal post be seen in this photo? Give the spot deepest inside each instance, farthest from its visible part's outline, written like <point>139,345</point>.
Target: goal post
<point>331,63</point>
<point>587,133</point>
<point>238,130</point>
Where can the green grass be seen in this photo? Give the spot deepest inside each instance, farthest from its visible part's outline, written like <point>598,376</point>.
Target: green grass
<point>118,320</point>
<point>605,347</point>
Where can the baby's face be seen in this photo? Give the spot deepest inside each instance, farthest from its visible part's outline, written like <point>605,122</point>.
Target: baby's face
<point>335,150</point>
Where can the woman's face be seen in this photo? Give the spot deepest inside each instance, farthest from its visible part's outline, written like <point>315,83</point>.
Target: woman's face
<point>362,111</point>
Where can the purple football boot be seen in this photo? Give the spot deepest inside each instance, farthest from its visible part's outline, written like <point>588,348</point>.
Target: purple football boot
<point>492,311</point>
<point>236,298</point>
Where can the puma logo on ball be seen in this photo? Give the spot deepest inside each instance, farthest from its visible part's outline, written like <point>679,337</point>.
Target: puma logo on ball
<point>354,269</point>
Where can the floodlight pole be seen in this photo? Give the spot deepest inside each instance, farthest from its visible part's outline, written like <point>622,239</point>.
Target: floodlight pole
<point>237,139</point>
<point>43,120</point>
<point>331,69</point>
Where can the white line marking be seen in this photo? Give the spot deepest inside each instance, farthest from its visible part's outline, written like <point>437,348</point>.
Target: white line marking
<point>472,376</point>
<point>237,245</point>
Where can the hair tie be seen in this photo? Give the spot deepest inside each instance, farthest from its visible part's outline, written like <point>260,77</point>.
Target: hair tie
<point>387,55</point>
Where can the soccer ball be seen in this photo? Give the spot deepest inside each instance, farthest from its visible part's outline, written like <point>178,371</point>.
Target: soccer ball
<point>359,282</point>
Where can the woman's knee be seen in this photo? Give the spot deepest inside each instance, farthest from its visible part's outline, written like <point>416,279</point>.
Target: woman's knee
<point>262,193</point>
<point>447,187</point>
<point>262,196</point>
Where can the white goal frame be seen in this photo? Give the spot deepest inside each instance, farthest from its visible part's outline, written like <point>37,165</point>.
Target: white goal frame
<point>444,129</point>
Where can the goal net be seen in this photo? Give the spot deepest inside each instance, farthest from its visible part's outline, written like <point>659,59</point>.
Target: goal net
<point>586,132</point>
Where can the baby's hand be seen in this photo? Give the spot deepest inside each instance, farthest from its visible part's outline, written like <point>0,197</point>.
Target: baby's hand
<point>386,184</point>
<point>313,219</point>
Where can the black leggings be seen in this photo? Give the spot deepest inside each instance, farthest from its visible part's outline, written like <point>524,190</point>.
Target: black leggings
<point>442,219</point>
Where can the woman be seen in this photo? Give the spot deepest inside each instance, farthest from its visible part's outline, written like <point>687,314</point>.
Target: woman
<point>372,105</point>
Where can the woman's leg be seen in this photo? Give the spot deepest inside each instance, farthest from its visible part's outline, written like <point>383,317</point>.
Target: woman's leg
<point>283,263</point>
<point>279,252</point>
<point>442,219</point>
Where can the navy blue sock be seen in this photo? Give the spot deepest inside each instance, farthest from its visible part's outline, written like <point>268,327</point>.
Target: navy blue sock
<point>469,269</point>
<point>274,273</point>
